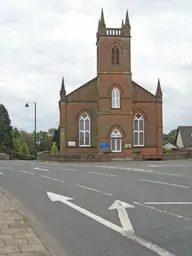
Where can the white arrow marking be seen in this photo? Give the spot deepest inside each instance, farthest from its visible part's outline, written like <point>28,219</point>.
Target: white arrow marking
<point>147,244</point>
<point>41,169</point>
<point>168,203</point>
<point>123,215</point>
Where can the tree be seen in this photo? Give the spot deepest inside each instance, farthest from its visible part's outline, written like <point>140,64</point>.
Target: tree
<point>15,133</point>
<point>56,137</point>
<point>24,149</point>
<point>54,149</point>
<point>16,145</point>
<point>5,130</point>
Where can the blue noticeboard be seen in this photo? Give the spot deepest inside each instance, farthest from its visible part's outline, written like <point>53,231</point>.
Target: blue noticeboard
<point>104,145</point>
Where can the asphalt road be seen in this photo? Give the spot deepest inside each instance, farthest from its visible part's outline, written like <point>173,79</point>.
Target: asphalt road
<point>71,203</point>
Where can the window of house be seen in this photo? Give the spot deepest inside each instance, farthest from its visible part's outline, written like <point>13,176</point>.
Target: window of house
<point>84,130</point>
<point>115,55</point>
<point>115,98</point>
<point>138,130</point>
<point>116,141</point>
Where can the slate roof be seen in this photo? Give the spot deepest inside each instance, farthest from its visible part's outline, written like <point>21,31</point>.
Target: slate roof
<point>186,135</point>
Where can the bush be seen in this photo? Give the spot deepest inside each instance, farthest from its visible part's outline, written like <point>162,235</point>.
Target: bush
<point>168,150</point>
<point>16,145</point>
<point>24,149</point>
<point>54,149</point>
<point>21,156</point>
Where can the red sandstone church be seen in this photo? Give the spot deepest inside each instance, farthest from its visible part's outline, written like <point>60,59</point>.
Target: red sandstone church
<point>111,112</point>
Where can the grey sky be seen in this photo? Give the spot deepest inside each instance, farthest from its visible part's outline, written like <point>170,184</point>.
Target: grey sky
<point>43,40</point>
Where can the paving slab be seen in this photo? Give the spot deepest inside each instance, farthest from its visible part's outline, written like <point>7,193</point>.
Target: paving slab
<point>17,237</point>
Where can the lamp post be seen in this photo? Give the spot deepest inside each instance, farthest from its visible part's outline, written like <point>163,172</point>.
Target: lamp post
<point>35,122</point>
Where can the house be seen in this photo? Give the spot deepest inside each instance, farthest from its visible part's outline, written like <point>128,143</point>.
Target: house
<point>168,145</point>
<point>184,137</point>
<point>111,111</point>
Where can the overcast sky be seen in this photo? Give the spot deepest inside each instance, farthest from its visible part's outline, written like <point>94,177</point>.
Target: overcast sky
<point>43,40</point>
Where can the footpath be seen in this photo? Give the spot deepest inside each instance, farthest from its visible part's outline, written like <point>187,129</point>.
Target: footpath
<point>17,238</point>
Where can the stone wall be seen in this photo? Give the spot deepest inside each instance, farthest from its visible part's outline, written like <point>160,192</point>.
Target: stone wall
<point>105,157</point>
<point>4,157</point>
<point>177,155</point>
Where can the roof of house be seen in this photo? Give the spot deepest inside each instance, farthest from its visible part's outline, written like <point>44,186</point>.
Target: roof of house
<point>169,142</point>
<point>186,135</point>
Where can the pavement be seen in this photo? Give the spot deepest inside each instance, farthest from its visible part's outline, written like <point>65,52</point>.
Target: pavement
<point>17,238</point>
<point>104,209</point>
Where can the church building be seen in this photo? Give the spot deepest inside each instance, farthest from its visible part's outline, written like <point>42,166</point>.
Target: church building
<point>111,112</point>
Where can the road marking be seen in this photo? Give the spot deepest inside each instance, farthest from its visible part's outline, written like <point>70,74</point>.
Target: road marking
<point>47,177</point>
<point>95,190</point>
<point>176,165</point>
<point>27,172</point>
<point>147,244</point>
<point>65,169</point>
<point>104,174</point>
<point>163,211</point>
<point>164,183</point>
<point>124,168</point>
<point>123,215</point>
<point>168,203</point>
<point>7,169</point>
<point>1,173</point>
<point>41,169</point>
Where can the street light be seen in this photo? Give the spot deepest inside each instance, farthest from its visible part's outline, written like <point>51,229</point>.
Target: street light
<point>35,122</point>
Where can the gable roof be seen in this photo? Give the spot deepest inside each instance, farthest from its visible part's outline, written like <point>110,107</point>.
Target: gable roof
<point>186,135</point>
<point>136,85</point>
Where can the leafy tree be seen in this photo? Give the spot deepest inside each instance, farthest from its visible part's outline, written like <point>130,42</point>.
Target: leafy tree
<point>15,133</point>
<point>54,149</point>
<point>16,145</point>
<point>27,138</point>
<point>56,137</point>
<point>24,149</point>
<point>5,130</point>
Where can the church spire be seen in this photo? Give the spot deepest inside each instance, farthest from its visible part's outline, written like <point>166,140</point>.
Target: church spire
<point>122,24</point>
<point>101,31</point>
<point>127,22</point>
<point>62,90</point>
<point>159,93</point>
<point>102,17</point>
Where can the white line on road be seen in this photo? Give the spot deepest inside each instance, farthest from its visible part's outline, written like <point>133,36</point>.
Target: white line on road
<point>95,190</point>
<point>65,169</point>
<point>27,172</point>
<point>147,244</point>
<point>1,173</point>
<point>163,211</point>
<point>168,203</point>
<point>164,183</point>
<point>7,169</point>
<point>123,168</point>
<point>163,166</point>
<point>41,169</point>
<point>104,174</point>
<point>47,177</point>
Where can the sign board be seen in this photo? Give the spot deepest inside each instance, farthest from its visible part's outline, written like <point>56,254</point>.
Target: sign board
<point>104,145</point>
<point>127,145</point>
<point>71,143</point>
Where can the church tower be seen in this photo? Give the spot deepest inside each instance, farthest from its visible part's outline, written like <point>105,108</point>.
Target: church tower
<point>114,83</point>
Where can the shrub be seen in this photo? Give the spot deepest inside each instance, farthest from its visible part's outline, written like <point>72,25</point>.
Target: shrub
<point>168,150</point>
<point>54,149</point>
<point>24,149</point>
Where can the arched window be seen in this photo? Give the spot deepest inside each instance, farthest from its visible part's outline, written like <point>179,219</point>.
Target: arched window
<point>84,130</point>
<point>116,141</point>
<point>115,55</point>
<point>138,130</point>
<point>115,98</point>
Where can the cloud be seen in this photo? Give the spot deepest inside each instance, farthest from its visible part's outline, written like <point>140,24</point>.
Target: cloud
<point>43,40</point>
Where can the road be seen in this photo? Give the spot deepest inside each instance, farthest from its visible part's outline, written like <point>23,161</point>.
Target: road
<point>107,209</point>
